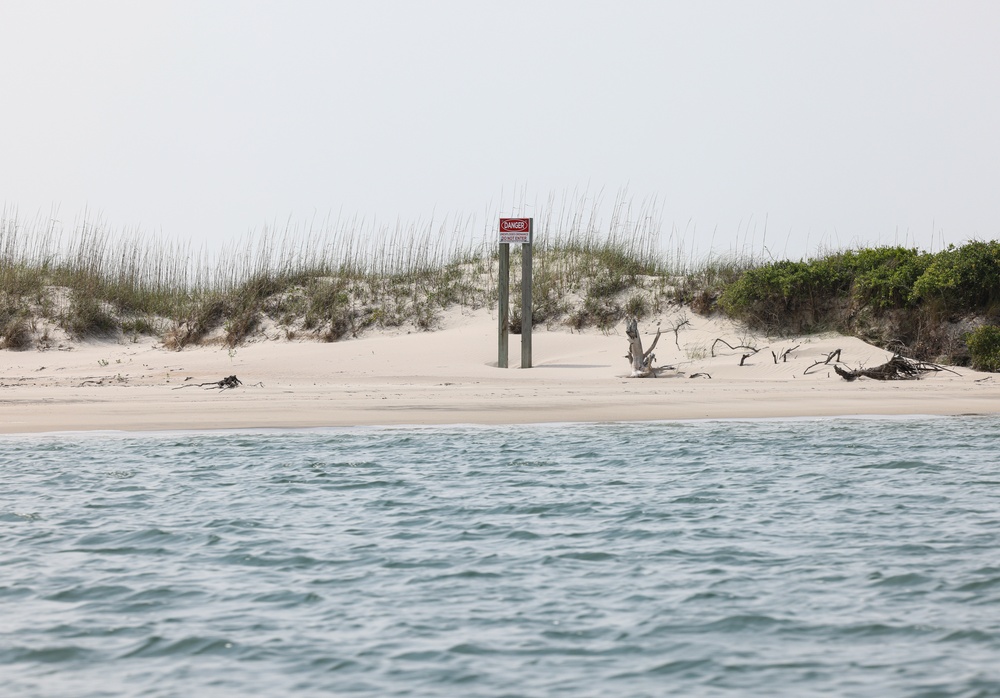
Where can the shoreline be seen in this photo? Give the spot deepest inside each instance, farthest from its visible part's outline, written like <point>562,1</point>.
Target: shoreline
<point>446,378</point>
<point>470,426</point>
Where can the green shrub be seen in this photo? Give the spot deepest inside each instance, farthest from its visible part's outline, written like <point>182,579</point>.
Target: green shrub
<point>963,279</point>
<point>779,294</point>
<point>770,295</point>
<point>984,348</point>
<point>884,276</point>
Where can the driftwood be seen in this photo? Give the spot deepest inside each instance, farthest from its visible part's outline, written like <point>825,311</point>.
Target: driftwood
<point>783,356</point>
<point>642,361</point>
<point>747,356</point>
<point>829,358</point>
<point>700,375</point>
<point>228,382</point>
<point>738,346</point>
<point>681,322</point>
<point>897,368</point>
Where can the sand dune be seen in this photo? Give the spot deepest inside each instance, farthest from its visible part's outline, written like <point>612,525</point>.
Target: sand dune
<point>450,376</point>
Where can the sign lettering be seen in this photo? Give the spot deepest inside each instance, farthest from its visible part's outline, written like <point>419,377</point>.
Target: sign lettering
<point>515,230</point>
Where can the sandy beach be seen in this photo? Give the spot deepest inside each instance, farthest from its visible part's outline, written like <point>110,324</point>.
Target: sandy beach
<point>450,376</point>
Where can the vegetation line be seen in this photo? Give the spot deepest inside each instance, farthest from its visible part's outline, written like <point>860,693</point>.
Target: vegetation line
<point>344,278</point>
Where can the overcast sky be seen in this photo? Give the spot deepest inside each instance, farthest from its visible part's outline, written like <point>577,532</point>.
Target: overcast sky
<point>839,123</point>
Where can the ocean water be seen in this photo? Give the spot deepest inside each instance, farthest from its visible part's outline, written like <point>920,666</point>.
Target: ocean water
<point>847,557</point>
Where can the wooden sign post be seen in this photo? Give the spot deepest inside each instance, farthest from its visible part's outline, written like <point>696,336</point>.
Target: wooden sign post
<point>517,230</point>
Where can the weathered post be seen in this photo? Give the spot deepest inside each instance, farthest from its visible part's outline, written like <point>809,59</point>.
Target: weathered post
<point>515,230</point>
<point>503,310</point>
<point>526,303</point>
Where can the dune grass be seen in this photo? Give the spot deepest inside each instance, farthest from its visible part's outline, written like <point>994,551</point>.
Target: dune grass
<point>340,279</point>
<point>326,282</point>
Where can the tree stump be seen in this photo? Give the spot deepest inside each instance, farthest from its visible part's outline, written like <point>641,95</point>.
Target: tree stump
<point>642,361</point>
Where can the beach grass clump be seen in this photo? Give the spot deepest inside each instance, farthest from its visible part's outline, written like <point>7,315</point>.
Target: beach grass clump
<point>984,348</point>
<point>16,334</point>
<point>700,287</point>
<point>15,324</point>
<point>88,316</point>
<point>637,306</point>
<point>329,312</point>
<point>194,318</point>
<point>586,277</point>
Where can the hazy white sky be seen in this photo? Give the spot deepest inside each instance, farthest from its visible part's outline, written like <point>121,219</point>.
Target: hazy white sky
<point>839,123</point>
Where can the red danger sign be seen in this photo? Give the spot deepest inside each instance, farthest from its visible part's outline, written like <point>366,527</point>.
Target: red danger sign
<point>515,230</point>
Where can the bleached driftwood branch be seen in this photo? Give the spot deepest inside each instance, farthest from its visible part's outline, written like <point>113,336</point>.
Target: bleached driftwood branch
<point>642,361</point>
<point>738,346</point>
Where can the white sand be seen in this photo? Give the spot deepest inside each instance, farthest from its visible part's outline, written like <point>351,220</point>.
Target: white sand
<point>450,377</point>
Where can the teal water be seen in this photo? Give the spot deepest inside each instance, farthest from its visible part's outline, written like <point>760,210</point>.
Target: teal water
<point>772,558</point>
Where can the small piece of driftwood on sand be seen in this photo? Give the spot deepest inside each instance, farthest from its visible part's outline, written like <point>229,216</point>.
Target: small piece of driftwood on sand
<point>227,383</point>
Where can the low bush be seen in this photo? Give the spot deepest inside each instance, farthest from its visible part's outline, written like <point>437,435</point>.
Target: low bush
<point>786,294</point>
<point>962,279</point>
<point>884,276</point>
<point>984,348</point>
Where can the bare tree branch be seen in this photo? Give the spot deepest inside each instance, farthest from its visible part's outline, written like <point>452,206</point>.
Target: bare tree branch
<point>738,346</point>
<point>682,322</point>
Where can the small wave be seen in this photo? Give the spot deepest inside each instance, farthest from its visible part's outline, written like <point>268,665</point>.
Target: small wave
<point>910,579</point>
<point>589,556</point>
<point>903,465</point>
<point>743,622</point>
<point>20,517</point>
<point>980,585</point>
<point>969,635</point>
<point>291,599</point>
<point>471,648</point>
<point>881,630</point>
<point>365,485</point>
<point>47,655</point>
<point>523,535</point>
<point>684,667</point>
<point>83,592</point>
<point>157,646</point>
